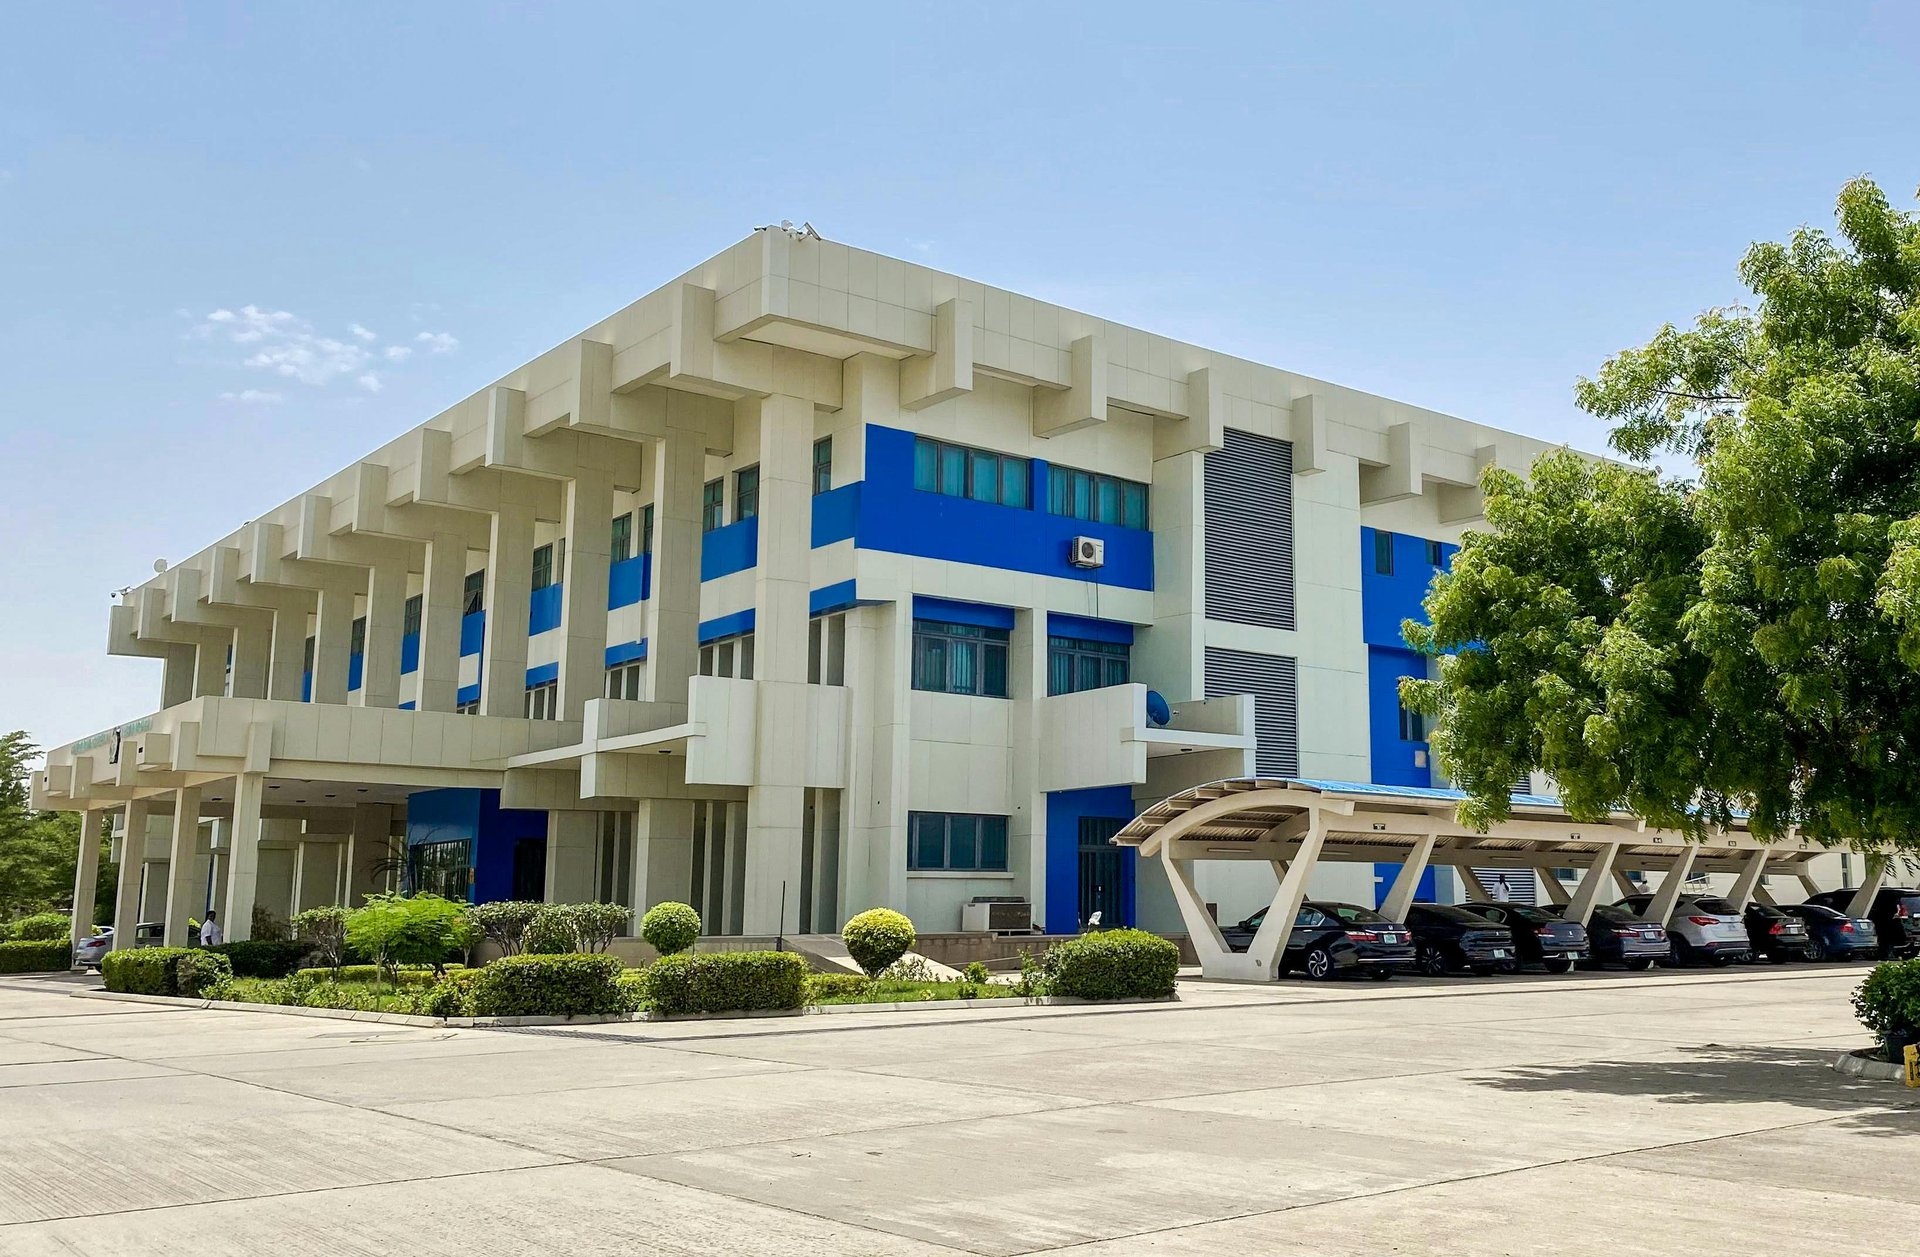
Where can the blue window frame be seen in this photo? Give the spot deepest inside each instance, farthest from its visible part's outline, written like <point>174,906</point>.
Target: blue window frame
<point>959,471</point>
<point>1075,664</point>
<point>1096,497</point>
<point>956,842</point>
<point>959,659</point>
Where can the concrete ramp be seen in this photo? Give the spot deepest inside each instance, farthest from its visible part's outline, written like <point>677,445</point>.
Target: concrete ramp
<point>827,953</point>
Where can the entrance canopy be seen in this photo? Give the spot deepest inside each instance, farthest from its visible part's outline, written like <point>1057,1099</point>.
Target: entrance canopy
<point>1292,824</point>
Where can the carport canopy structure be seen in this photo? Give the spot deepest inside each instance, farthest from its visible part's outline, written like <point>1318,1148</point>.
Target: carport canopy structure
<point>1293,824</point>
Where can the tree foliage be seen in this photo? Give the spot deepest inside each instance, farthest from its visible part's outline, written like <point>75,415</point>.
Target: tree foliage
<point>38,850</point>
<point>1747,637</point>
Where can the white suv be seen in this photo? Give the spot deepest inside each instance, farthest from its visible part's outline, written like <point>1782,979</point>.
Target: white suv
<point>1702,927</point>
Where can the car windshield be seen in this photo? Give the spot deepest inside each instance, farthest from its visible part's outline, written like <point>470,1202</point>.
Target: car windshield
<point>1353,914</point>
<point>1459,916</point>
<point>1716,905</point>
<point>1531,916</point>
<point>1615,916</point>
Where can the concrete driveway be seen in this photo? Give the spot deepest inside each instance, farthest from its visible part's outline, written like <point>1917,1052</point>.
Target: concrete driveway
<point>1654,1113</point>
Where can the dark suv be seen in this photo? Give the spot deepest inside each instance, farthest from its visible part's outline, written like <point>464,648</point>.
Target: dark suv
<point>1895,914</point>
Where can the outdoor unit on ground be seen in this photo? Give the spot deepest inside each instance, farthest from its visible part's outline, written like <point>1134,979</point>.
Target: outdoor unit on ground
<point>997,915</point>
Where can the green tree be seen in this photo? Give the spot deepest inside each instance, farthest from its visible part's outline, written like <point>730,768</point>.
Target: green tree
<point>1747,636</point>
<point>38,850</point>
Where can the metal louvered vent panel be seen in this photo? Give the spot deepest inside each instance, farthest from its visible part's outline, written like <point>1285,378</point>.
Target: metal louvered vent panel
<point>1521,886</point>
<point>1274,681</point>
<point>1249,530</point>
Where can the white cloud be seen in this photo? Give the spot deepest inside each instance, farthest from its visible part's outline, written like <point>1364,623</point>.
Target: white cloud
<point>361,332</point>
<point>398,353</point>
<point>288,347</point>
<point>370,382</point>
<point>254,397</point>
<point>438,342</point>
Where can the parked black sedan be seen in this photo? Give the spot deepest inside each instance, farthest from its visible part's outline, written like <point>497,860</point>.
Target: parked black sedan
<point>1774,934</point>
<point>1832,934</point>
<point>1330,939</point>
<point>1446,938</point>
<point>1539,938</point>
<point>1617,937</point>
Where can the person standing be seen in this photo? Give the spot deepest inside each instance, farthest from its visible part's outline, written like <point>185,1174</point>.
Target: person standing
<point>1502,892</point>
<point>210,935</point>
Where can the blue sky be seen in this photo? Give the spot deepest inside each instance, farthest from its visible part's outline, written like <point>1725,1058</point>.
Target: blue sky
<point>1462,205</point>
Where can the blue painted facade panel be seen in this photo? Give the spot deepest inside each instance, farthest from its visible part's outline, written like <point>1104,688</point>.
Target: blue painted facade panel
<point>1426,892</point>
<point>1388,598</point>
<point>980,614</point>
<point>629,581</point>
<point>731,549</point>
<point>1065,808</point>
<point>476,817</point>
<point>467,694</point>
<point>1062,625</point>
<point>540,674</point>
<point>897,518</point>
<point>409,653</point>
<point>1393,758</point>
<point>626,652</point>
<point>356,672</point>
<point>543,609</point>
<point>473,631</point>
<point>836,597</point>
<point>836,515</point>
<point>726,626</point>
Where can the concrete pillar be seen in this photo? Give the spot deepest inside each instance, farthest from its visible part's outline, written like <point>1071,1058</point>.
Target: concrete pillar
<point>1587,893</point>
<point>672,614</point>
<point>1270,940</point>
<point>287,659</point>
<point>133,856</point>
<point>1749,879</point>
<point>1170,655</point>
<point>252,656</point>
<point>776,802</point>
<point>176,675</point>
<point>570,846</point>
<point>503,661</point>
<point>386,617</point>
<point>662,853</point>
<point>180,865</point>
<point>879,662</point>
<point>1672,884</point>
<point>1027,827</point>
<point>442,607</point>
<point>243,861</point>
<point>583,592</point>
<point>299,878</point>
<point>368,844</point>
<point>1407,881</point>
<point>1862,901</point>
<point>332,643</point>
<point>86,872</point>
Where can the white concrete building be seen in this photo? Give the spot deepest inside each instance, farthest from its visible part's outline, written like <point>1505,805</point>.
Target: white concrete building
<point>812,581</point>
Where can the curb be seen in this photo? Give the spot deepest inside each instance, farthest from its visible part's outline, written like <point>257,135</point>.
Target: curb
<point>1858,1064</point>
<point>508,1023</point>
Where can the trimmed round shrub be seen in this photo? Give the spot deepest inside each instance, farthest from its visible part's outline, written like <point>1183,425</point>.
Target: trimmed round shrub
<point>201,974</point>
<point>28,956</point>
<point>575,985</point>
<point>261,958</point>
<point>876,938</point>
<point>1888,1002</point>
<point>726,982</point>
<point>1115,964</point>
<point>43,927</point>
<point>670,927</point>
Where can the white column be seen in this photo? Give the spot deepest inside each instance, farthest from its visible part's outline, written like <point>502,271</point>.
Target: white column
<point>368,843</point>
<point>583,591</point>
<point>386,618</point>
<point>86,872</point>
<point>776,802</point>
<point>180,865</point>
<point>332,643</point>
<point>442,602</point>
<point>662,853</point>
<point>570,845</point>
<point>1748,881</point>
<point>1672,884</point>
<point>287,657</point>
<point>672,614</point>
<point>299,876</point>
<point>1407,881</point>
<point>1587,893</point>
<point>1862,901</point>
<point>243,861</point>
<point>503,661</point>
<point>252,656</point>
<point>133,855</point>
<point>1027,828</point>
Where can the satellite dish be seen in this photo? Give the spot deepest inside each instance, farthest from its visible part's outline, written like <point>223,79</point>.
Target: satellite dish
<point>1159,714</point>
<point>159,565</point>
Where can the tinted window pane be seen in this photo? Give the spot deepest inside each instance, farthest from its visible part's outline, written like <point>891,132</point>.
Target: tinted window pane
<point>1383,553</point>
<point>1059,491</point>
<point>926,465</point>
<point>1107,495</point>
<point>996,670</point>
<point>1133,506</point>
<point>1082,495</point>
<point>986,476</point>
<point>993,843</point>
<point>1013,481</point>
<point>963,842</point>
<point>929,844</point>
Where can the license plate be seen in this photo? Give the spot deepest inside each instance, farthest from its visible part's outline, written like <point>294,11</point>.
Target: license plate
<point>1652,936</point>
<point>1501,953</point>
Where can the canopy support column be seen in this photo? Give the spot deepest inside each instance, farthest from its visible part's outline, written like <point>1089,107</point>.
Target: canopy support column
<point>1748,882</point>
<point>1671,885</point>
<point>1862,901</point>
<point>1407,881</point>
<point>1587,893</point>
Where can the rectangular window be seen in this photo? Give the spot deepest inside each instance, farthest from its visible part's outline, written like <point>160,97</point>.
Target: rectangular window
<point>746,493</point>
<point>646,529</point>
<point>613,859</point>
<point>543,566</point>
<point>960,472</point>
<point>441,868</point>
<point>542,700</point>
<point>468,708</point>
<point>476,593</point>
<point>623,681</point>
<point>1075,664</point>
<point>621,548</point>
<point>959,659</point>
<point>1096,497</point>
<point>827,649</point>
<point>1383,552</point>
<point>956,842</point>
<point>712,500</point>
<point>357,637</point>
<point>1413,726</point>
<point>823,464</point>
<point>728,657</point>
<point>1436,557</point>
<point>410,618</point>
<point>309,655</point>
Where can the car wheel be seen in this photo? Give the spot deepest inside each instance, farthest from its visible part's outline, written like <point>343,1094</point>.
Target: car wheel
<point>1432,962</point>
<point>1718,959</point>
<point>1640,964</point>
<point>1319,964</point>
<point>1682,950</point>
<point>1557,966</point>
<point>1816,950</point>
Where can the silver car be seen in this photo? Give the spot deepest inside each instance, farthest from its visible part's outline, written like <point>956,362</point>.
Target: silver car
<point>87,954</point>
<point>1702,927</point>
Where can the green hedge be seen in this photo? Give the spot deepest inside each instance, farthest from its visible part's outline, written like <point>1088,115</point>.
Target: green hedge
<point>41,927</point>
<point>728,981</point>
<point>835,985</point>
<point>566,985</point>
<point>411,976</point>
<point>262,958</point>
<point>143,970</point>
<point>36,957</point>
<point>201,974</point>
<point>1114,964</point>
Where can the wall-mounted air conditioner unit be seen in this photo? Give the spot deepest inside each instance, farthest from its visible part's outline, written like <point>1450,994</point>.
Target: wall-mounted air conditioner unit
<point>1088,552</point>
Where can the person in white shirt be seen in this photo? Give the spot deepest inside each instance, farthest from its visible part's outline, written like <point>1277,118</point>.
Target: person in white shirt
<point>1501,891</point>
<point>210,934</point>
